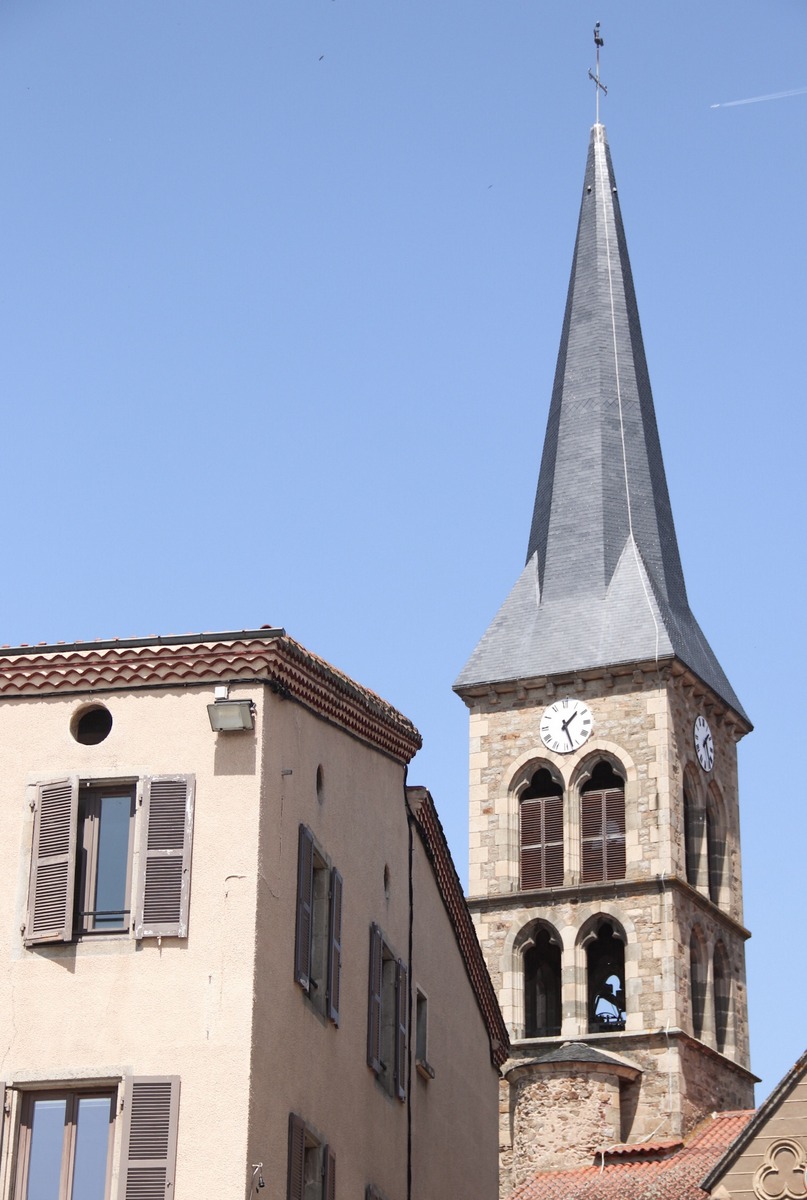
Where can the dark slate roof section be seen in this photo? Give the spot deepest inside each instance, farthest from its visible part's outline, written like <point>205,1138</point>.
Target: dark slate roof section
<point>603,583</point>
<point>580,1052</point>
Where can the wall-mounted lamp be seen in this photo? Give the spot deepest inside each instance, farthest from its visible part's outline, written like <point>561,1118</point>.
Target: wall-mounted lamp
<point>228,716</point>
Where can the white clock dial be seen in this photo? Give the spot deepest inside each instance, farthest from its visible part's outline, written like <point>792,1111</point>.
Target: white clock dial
<point>704,746</point>
<point>566,725</point>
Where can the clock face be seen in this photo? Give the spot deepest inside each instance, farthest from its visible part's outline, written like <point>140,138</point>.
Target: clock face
<point>704,746</point>
<point>566,725</point>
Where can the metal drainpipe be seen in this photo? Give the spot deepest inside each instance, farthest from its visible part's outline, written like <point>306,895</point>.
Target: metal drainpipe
<point>410,984</point>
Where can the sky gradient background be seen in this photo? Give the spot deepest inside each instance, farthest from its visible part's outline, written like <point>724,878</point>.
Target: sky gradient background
<point>282,284</point>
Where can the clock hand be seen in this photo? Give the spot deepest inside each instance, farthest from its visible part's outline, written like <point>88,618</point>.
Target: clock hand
<point>569,736</point>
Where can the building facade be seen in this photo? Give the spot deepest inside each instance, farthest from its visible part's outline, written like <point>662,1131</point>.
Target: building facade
<point>237,957</point>
<point>605,876</point>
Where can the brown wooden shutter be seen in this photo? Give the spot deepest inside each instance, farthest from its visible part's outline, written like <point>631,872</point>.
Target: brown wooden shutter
<point>603,835</point>
<point>401,1014</point>
<point>542,843</point>
<point>53,863</point>
<point>328,1174</point>
<point>165,857</point>
<point>149,1144</point>
<point>304,923</point>
<point>374,1000</point>
<point>334,945</point>
<point>614,833</point>
<point>296,1174</point>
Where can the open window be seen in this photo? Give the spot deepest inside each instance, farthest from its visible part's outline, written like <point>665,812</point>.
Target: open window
<point>605,964</point>
<point>318,929</point>
<point>387,1014</point>
<point>697,981</point>
<point>81,881</point>
<point>66,1136</point>
<point>722,986</point>
<point>715,843</point>
<point>602,802</point>
<point>312,1164</point>
<point>541,832</point>
<point>542,984</point>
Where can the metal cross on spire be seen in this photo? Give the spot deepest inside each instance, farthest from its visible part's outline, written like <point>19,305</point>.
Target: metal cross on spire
<point>595,78</point>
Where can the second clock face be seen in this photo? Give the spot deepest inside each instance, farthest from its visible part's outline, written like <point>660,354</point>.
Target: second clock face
<point>566,725</point>
<point>704,746</point>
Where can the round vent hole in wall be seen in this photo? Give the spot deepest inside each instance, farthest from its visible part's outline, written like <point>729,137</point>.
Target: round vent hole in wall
<point>91,725</point>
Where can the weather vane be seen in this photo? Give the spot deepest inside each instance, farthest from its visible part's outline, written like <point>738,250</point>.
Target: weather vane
<point>595,78</point>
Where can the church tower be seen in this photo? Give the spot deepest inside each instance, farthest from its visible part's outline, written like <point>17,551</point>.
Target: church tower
<point>605,877</point>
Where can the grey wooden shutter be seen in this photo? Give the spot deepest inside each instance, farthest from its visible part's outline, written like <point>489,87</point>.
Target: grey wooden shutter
<point>296,1174</point>
<point>401,1015</point>
<point>304,925</point>
<point>374,1000</point>
<point>149,1144</point>
<point>334,945</point>
<point>165,857</point>
<point>53,863</point>
<point>328,1174</point>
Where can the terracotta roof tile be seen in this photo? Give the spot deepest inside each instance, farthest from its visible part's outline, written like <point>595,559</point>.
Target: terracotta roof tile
<point>672,1176</point>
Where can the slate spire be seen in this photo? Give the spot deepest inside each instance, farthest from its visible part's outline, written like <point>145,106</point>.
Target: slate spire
<point>603,583</point>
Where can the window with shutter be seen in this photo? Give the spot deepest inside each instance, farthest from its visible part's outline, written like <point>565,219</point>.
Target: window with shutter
<point>602,821</point>
<point>311,1171</point>
<point>387,1015</point>
<point>82,855</point>
<point>541,819</point>
<point>693,838</point>
<point>165,857</point>
<point>318,927</point>
<point>715,846</point>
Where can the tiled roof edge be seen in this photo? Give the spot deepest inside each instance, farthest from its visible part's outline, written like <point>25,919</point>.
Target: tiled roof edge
<point>424,814</point>
<point>777,1096</point>
<point>262,656</point>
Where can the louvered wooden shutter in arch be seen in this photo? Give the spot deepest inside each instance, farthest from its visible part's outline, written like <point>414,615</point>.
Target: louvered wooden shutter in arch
<point>165,857</point>
<point>334,945</point>
<point>328,1174</point>
<point>374,1000</point>
<point>304,924</point>
<point>401,1013</point>
<point>603,835</point>
<point>149,1144</point>
<point>53,863</point>
<point>542,843</point>
<point>295,1189</point>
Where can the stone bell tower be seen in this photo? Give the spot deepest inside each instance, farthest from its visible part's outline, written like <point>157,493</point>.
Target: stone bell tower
<point>605,876</point>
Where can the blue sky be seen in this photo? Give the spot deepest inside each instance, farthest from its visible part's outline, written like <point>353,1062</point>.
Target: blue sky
<point>282,288</point>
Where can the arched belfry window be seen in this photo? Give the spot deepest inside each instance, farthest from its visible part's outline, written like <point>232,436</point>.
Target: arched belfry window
<point>722,985</point>
<point>541,832</point>
<point>715,844</point>
<point>542,977</point>
<point>603,825</point>
<point>693,836</point>
<point>605,962</point>
<point>697,982</point>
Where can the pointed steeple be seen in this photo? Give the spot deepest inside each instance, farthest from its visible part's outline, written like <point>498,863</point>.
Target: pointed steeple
<point>603,583</point>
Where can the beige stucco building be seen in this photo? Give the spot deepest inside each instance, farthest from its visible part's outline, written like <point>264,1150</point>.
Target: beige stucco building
<point>237,962</point>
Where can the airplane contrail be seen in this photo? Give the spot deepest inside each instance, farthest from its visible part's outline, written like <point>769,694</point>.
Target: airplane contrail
<point>757,99</point>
